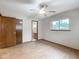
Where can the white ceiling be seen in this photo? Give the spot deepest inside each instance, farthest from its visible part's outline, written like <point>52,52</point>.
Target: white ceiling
<point>30,7</point>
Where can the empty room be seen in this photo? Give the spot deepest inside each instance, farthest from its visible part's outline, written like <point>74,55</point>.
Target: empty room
<point>39,29</point>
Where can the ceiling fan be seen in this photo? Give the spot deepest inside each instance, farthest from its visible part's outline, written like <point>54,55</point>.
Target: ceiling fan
<point>44,10</point>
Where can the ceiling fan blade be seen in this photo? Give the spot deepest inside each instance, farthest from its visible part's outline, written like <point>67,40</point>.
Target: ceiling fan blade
<point>52,11</point>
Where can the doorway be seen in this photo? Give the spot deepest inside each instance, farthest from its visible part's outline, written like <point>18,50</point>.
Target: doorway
<point>34,30</point>
<point>19,28</point>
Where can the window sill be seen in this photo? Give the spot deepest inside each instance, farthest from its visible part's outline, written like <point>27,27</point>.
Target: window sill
<point>60,30</point>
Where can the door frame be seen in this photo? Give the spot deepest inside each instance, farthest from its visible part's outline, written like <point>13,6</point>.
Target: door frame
<point>32,27</point>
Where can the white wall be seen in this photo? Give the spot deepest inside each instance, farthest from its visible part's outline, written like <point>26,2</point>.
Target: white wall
<point>27,30</point>
<point>39,29</point>
<point>67,38</point>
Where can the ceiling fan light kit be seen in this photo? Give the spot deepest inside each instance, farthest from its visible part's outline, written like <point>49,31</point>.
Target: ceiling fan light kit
<point>43,9</point>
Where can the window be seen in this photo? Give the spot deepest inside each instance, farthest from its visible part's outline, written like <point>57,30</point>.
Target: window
<point>60,25</point>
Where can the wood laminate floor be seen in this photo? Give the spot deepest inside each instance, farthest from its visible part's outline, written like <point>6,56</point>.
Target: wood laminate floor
<point>39,50</point>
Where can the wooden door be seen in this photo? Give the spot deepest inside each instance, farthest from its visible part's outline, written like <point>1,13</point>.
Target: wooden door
<point>18,36</point>
<point>2,41</point>
<point>8,31</point>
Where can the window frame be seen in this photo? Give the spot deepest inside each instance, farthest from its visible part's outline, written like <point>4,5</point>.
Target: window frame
<point>52,29</point>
